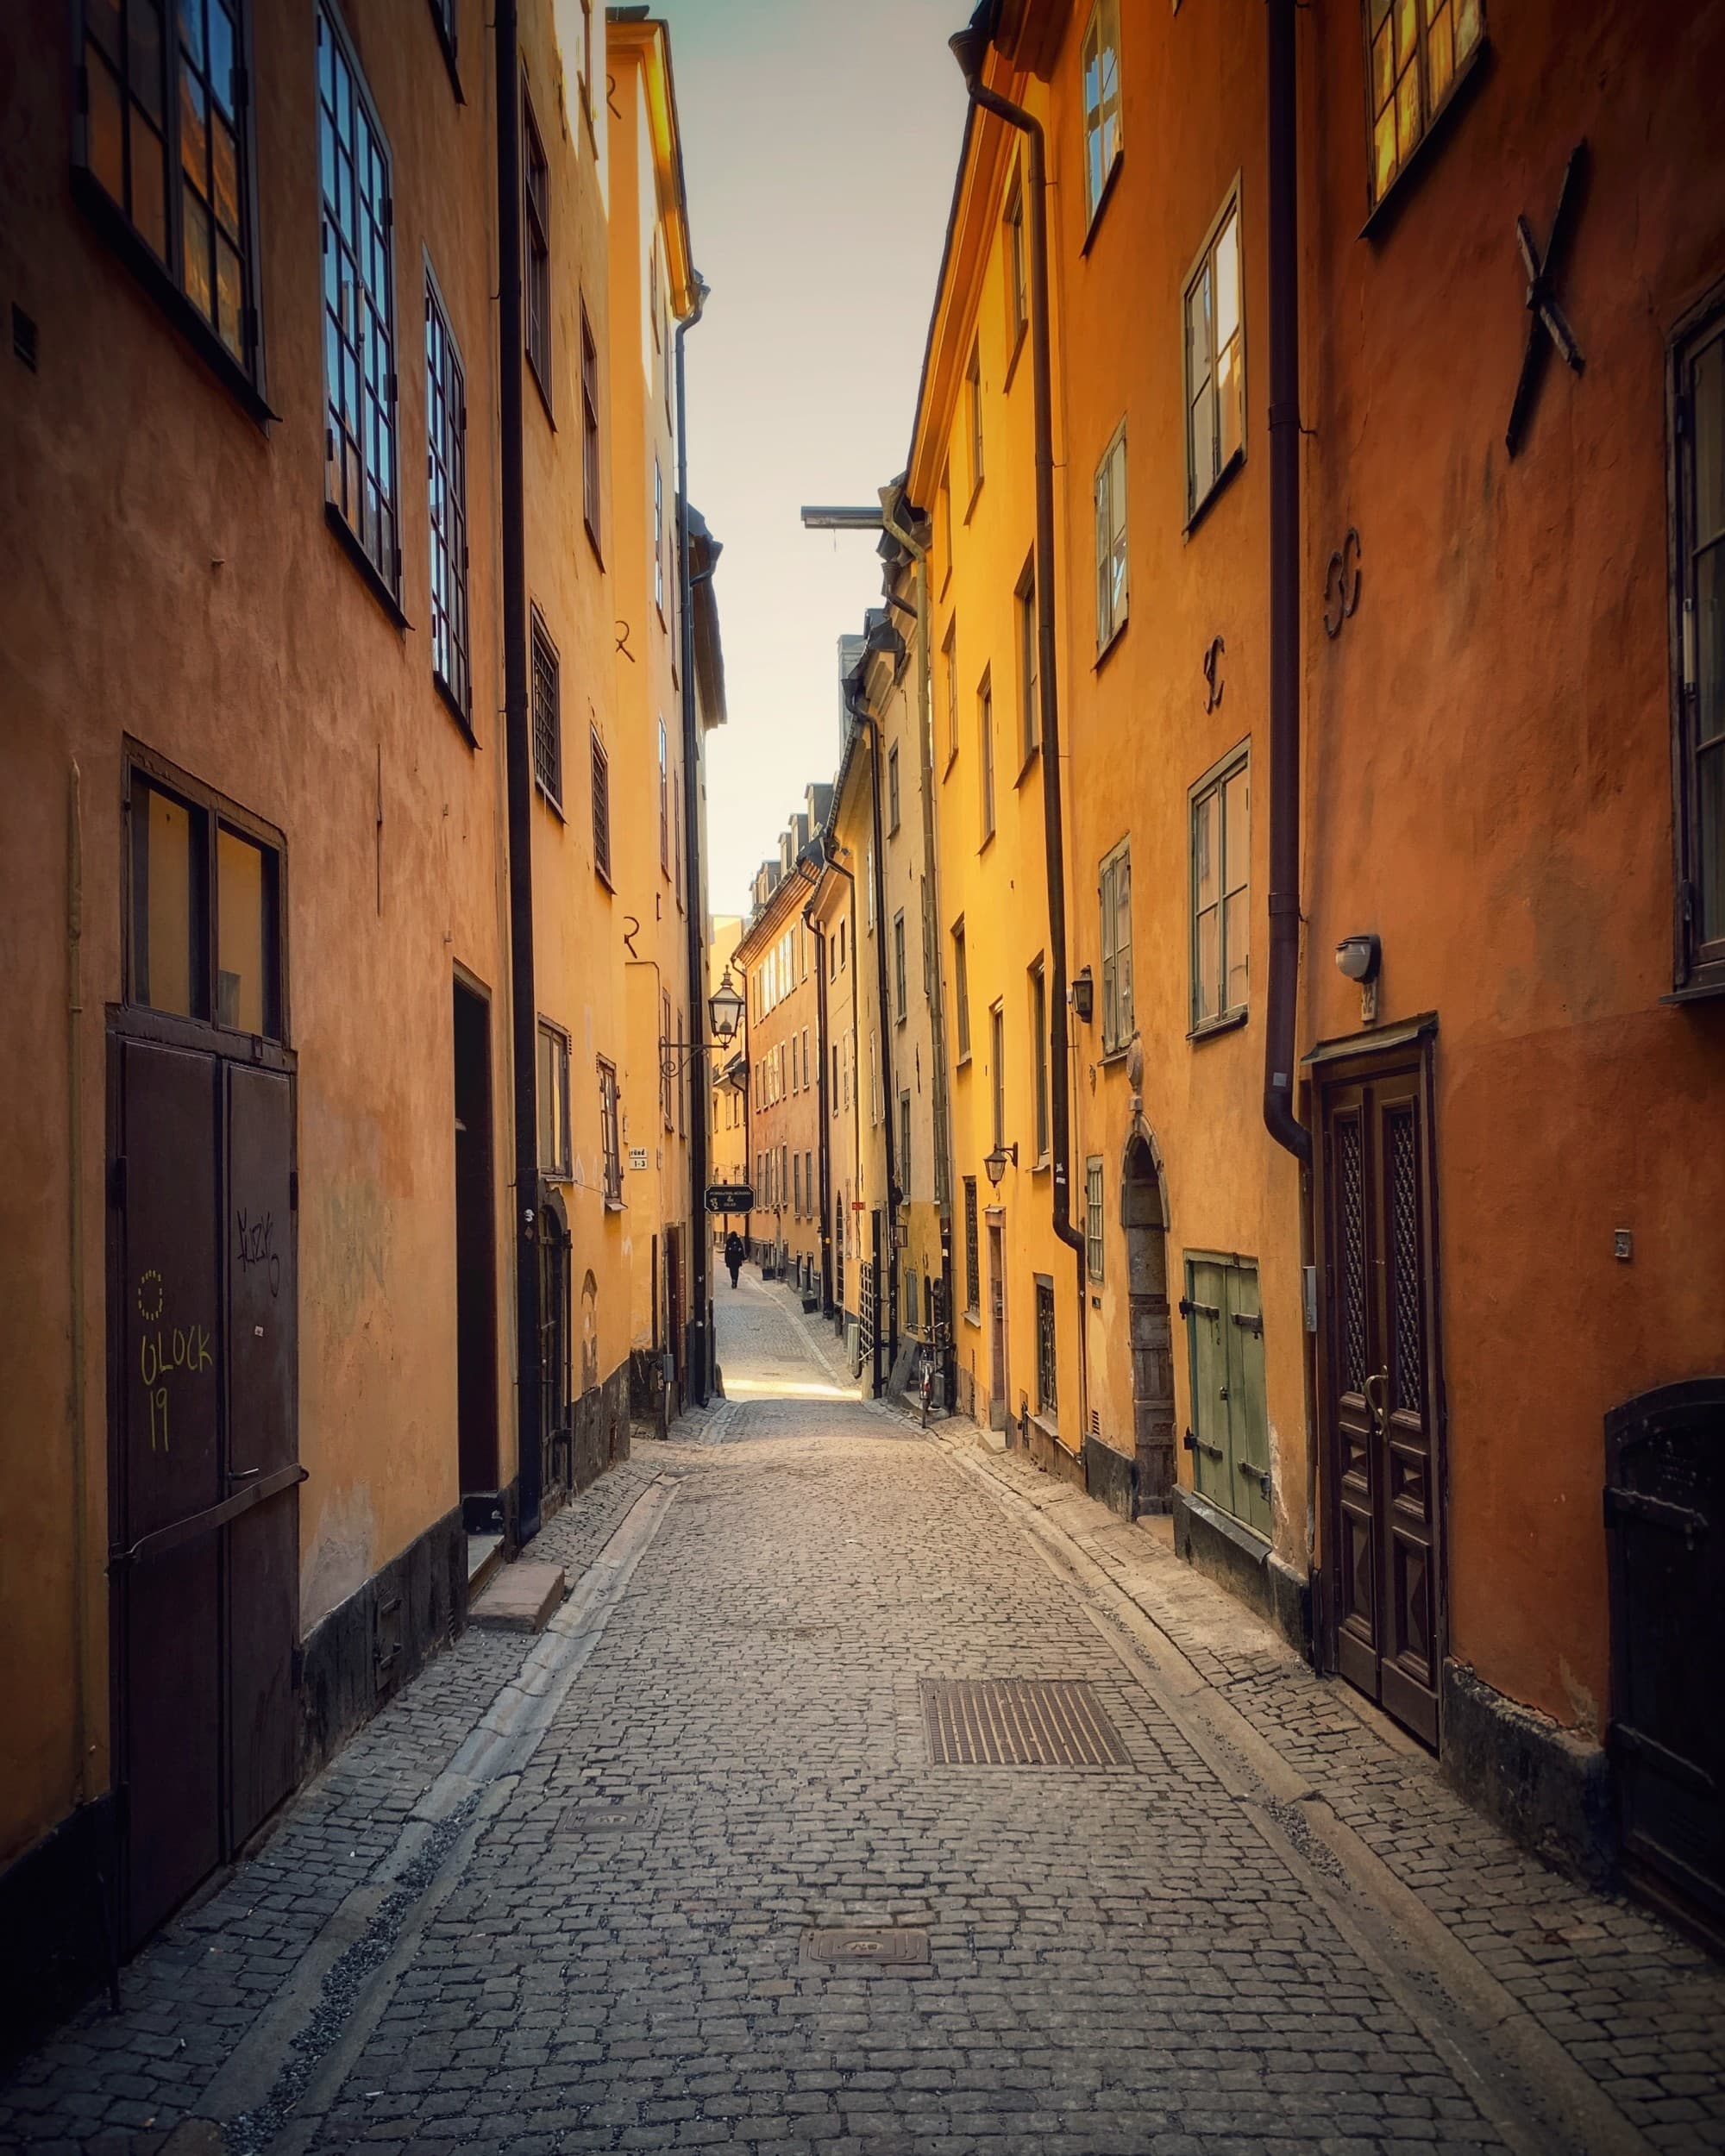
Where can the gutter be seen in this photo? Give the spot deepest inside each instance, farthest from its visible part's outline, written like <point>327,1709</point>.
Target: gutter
<point>519,752</point>
<point>969,47</point>
<point>1279,1118</point>
<point>698,1363</point>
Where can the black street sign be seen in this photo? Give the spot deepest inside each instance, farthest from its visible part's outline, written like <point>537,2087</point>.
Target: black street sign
<point>731,1198</point>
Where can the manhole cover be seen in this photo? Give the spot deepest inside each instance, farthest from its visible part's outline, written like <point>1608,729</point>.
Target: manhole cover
<point>595,1816</point>
<point>864,1947</point>
<point>1018,1722</point>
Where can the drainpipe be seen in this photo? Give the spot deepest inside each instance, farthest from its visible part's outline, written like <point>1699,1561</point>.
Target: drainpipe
<point>811,863</point>
<point>889,1103</point>
<point>700,1296</point>
<point>1284,593</point>
<point>969,47</point>
<point>523,1006</point>
<point>74,1154</point>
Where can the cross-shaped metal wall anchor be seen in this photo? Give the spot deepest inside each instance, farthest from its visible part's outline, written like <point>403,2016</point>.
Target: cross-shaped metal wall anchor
<point>1547,329</point>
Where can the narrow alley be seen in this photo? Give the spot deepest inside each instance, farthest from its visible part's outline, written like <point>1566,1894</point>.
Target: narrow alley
<point>705,1864</point>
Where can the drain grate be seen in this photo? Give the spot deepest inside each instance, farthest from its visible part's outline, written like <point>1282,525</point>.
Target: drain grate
<point>1018,1722</point>
<point>595,1816</point>
<point>861,1947</point>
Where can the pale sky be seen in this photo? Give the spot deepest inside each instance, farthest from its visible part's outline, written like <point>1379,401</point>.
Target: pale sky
<point>820,140</point>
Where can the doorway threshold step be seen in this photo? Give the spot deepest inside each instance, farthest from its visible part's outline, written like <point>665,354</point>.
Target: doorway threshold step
<point>484,1554</point>
<point>522,1598</point>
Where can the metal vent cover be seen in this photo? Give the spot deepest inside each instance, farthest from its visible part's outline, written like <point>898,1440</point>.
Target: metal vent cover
<point>1018,1722</point>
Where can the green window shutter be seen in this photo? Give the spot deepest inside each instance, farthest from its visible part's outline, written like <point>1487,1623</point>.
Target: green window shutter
<point>1206,1330</point>
<point>1248,1428</point>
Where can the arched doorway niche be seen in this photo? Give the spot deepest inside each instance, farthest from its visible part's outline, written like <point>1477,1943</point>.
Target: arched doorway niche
<point>1144,1216</point>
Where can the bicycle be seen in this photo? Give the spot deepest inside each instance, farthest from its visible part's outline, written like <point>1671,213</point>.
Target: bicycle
<point>929,1355</point>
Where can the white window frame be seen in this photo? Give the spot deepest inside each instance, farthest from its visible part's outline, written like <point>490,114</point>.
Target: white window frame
<point>1113,569</point>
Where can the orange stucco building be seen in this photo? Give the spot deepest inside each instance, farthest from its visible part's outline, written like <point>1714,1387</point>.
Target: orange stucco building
<point>1392,947</point>
<point>292,1142</point>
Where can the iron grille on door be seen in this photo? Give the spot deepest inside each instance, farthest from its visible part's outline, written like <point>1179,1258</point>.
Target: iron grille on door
<point>1047,1393</point>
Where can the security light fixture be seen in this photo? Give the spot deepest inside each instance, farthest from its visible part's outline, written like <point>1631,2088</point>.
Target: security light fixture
<point>1083,995</point>
<point>1358,958</point>
<point>725,1010</point>
<point>995,1163</point>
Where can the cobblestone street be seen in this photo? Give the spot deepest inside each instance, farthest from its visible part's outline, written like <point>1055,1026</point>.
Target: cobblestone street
<point>571,1893</point>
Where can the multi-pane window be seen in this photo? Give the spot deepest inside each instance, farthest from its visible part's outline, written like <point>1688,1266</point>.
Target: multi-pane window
<point>898,1004</point>
<point>972,409</point>
<point>205,925</point>
<point>973,1270</point>
<point>664,800</point>
<point>1113,591</point>
<point>658,537</point>
<point>585,65</point>
<point>1093,1216</point>
<point>1416,51</point>
<point>961,991</point>
<point>1216,359</point>
<point>362,470</point>
<point>1047,1392</point>
<point>446,459</point>
<point>548,724</point>
<point>608,1134</point>
<point>997,1075</point>
<point>893,788</point>
<point>601,793</point>
<point>948,658</point>
<point>1018,285</point>
<point>1030,702</point>
<point>165,136</point>
<point>535,188</point>
<point>1700,531</point>
<point>873,1083</point>
<point>942,523</point>
<point>1116,949</point>
<point>443,13</point>
<point>797,1185</point>
<point>1102,74</point>
<point>554,1101</point>
<point>985,741</point>
<point>590,458</point>
<point>1221,847</point>
<point>1038,1052</point>
<point>904,1160</point>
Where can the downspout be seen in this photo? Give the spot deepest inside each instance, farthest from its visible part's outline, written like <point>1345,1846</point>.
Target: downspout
<point>700,1297</point>
<point>889,1100</point>
<point>935,943</point>
<point>824,1214</point>
<point>523,1006</point>
<point>969,47</point>
<point>74,1153</point>
<point>1284,593</point>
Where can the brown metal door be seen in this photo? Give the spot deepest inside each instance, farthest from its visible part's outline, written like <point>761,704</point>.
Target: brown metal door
<point>1382,1465</point>
<point>263,1542</point>
<point>206,1556</point>
<point>167,1605</point>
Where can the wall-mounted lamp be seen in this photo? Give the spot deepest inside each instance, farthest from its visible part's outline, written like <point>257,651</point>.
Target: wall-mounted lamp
<point>725,1010</point>
<point>995,1163</point>
<point>1082,994</point>
<point>1359,958</point>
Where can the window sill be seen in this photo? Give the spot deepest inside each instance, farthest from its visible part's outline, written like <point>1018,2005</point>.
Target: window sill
<point>988,840</point>
<point>1201,508</point>
<point>975,496</point>
<point>613,1204</point>
<point>116,231</point>
<point>1473,72</point>
<point>605,879</point>
<point>549,800</point>
<point>1118,630</point>
<point>1230,1022</point>
<point>962,1063</point>
<point>1040,1165</point>
<point>452,705</point>
<point>1112,1057</point>
<point>972,1317</point>
<point>592,540</point>
<point>1032,755</point>
<point>1102,201</point>
<point>1018,336</point>
<point>1706,984</point>
<point>367,567</point>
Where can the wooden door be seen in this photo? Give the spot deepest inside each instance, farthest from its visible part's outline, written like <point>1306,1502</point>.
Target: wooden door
<point>1384,1516</point>
<point>998,1410</point>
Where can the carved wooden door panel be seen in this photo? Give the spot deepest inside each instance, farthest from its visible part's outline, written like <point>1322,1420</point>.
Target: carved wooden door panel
<point>1381,1452</point>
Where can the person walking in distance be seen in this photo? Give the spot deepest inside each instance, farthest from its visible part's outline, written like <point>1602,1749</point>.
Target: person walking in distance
<point>733,1255</point>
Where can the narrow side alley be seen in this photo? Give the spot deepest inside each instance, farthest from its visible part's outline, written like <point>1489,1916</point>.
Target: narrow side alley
<point>729,1857</point>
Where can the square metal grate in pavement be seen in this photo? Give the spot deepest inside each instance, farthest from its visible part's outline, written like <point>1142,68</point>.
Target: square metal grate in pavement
<point>1018,1722</point>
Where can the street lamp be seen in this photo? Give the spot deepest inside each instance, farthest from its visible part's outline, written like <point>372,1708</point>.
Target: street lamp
<point>995,1163</point>
<point>725,1011</point>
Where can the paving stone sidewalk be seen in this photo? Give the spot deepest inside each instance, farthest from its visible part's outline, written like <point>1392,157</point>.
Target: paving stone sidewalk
<point>612,1945</point>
